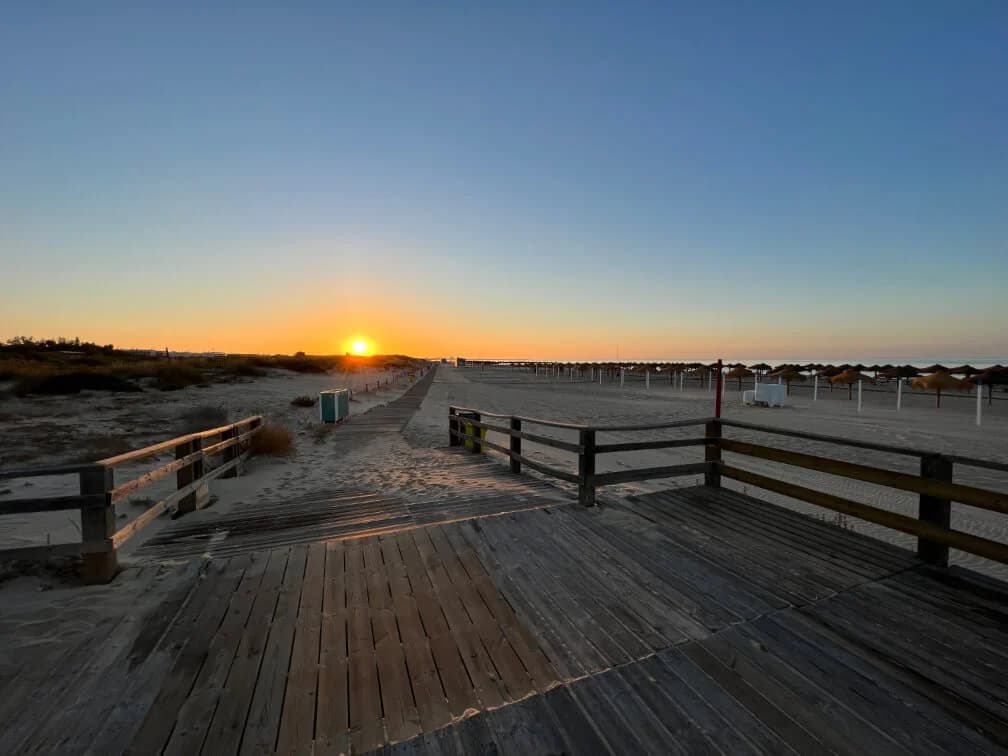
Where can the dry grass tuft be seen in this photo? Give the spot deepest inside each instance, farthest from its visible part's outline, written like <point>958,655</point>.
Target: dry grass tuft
<point>303,401</point>
<point>273,440</point>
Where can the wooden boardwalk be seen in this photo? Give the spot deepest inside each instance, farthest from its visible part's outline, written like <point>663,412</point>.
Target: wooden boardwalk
<point>690,621</point>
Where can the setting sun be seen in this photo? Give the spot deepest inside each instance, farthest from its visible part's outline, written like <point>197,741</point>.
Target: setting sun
<point>360,346</point>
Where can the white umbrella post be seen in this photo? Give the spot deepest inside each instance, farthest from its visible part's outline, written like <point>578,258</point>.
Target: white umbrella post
<point>815,389</point>
<point>859,397</point>
<point>647,380</point>
<point>899,393</point>
<point>979,402</point>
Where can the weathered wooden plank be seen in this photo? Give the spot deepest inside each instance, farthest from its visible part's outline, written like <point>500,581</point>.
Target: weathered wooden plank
<point>226,723</point>
<point>807,564</point>
<point>907,652</point>
<point>332,720</point>
<point>527,727</point>
<point>984,547</point>
<point>157,726</point>
<point>872,553</point>
<point>679,721</point>
<point>691,681</point>
<point>263,722</point>
<point>817,710</point>
<point>194,716</point>
<point>772,717</point>
<point>618,712</point>
<point>898,681</point>
<point>560,656</point>
<point>151,657</point>
<point>862,687</point>
<point>297,724</point>
<point>700,593</point>
<point>366,728</point>
<point>577,728</point>
<point>747,563</point>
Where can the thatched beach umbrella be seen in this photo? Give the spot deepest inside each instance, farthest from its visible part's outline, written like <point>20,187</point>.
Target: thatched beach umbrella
<point>787,375</point>
<point>904,371</point>
<point>759,367</point>
<point>850,377</point>
<point>936,368</point>
<point>991,377</point>
<point>966,370</point>
<point>938,382</point>
<point>739,373</point>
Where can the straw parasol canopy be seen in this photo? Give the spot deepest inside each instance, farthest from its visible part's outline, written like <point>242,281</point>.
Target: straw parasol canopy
<point>760,367</point>
<point>991,377</point>
<point>787,375</point>
<point>904,371</point>
<point>939,381</point>
<point>739,372</point>
<point>850,377</point>
<point>936,368</point>
<point>966,370</point>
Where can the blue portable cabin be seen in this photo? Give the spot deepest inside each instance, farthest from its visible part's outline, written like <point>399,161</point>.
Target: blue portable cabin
<point>334,405</point>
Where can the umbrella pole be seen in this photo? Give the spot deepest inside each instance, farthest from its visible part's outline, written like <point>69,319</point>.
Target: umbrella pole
<point>938,399</point>
<point>979,402</point>
<point>815,390</point>
<point>899,393</point>
<point>859,397</point>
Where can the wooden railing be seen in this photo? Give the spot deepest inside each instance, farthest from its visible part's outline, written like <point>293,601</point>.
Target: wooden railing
<point>934,484</point>
<point>98,494</point>
<point>463,424</point>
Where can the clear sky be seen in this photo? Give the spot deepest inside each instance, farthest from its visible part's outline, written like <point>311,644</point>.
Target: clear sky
<point>701,179</point>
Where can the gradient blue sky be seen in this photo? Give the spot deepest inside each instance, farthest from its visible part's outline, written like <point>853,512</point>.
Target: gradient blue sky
<point>681,179</point>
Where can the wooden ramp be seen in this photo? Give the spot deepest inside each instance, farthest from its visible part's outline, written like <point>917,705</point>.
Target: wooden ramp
<point>689,621</point>
<point>483,488</point>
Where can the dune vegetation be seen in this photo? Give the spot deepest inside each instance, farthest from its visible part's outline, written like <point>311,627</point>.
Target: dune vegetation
<point>68,366</point>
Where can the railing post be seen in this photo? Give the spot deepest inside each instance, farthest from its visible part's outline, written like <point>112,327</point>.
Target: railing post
<point>936,511</point>
<point>515,444</point>
<point>188,474</point>
<point>453,428</point>
<point>98,525</point>
<point>586,469</point>
<point>477,447</point>
<point>231,452</point>
<point>712,455</point>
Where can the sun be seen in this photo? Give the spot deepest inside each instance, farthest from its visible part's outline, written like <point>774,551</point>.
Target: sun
<point>359,346</point>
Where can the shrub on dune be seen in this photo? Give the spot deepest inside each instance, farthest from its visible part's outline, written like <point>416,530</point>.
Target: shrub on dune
<point>273,440</point>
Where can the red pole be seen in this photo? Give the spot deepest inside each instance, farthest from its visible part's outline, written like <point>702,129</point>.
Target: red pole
<point>717,392</point>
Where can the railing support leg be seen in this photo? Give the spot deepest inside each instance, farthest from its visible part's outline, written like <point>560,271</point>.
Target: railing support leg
<point>586,469</point>
<point>935,511</point>
<point>453,428</point>
<point>712,455</point>
<point>197,499</point>
<point>98,525</point>
<point>477,447</point>
<point>231,452</point>
<point>516,446</point>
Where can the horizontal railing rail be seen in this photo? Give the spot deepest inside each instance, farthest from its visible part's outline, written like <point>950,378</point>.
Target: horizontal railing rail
<point>934,485</point>
<point>466,426</point>
<point>98,496</point>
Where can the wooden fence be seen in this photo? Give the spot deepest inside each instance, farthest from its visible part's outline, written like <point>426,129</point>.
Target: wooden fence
<point>934,484</point>
<point>98,494</point>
